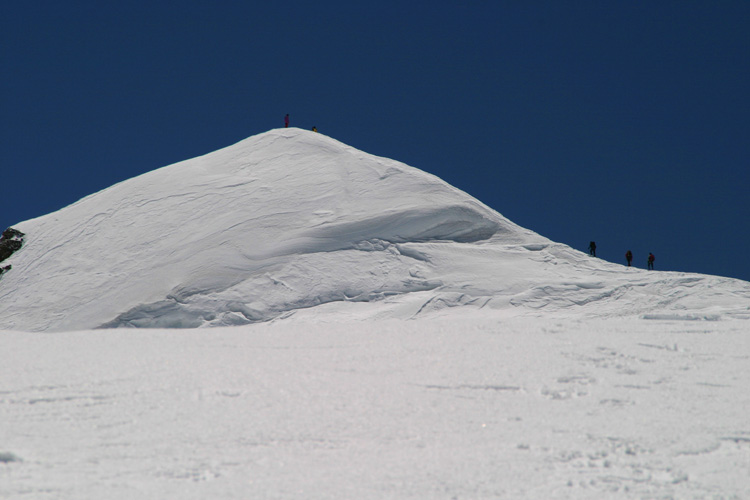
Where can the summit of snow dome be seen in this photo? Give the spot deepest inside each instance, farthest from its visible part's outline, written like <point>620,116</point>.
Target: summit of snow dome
<point>291,223</point>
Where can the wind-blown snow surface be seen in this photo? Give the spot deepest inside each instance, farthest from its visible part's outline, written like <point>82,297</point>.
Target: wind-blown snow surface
<point>530,371</point>
<point>290,222</point>
<point>523,408</point>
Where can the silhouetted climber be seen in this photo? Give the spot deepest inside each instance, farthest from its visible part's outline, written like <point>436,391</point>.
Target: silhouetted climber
<point>314,129</point>
<point>592,249</point>
<point>651,260</point>
<point>629,257</point>
<point>286,121</point>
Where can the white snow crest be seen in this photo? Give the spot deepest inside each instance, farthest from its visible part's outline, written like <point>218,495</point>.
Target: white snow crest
<point>289,222</point>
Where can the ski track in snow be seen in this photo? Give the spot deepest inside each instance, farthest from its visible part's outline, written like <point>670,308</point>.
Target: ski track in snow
<point>428,409</point>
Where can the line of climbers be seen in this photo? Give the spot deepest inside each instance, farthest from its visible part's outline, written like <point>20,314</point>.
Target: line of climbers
<point>628,256</point>
<point>592,245</point>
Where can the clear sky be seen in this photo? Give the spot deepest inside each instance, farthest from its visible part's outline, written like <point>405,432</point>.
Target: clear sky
<point>624,122</point>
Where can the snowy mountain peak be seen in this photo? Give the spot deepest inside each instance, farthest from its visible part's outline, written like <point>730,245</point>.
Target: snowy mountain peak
<point>294,223</point>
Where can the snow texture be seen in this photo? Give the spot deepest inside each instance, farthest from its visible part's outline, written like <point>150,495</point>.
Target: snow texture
<point>523,408</point>
<point>294,223</point>
<point>379,334</point>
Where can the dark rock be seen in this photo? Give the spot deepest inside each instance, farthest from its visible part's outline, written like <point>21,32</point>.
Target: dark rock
<point>10,242</point>
<point>12,233</point>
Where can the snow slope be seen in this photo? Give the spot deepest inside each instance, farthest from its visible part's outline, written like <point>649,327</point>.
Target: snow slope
<point>523,408</point>
<point>290,223</point>
<point>529,371</point>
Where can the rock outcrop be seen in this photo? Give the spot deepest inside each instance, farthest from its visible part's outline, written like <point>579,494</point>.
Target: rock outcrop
<point>10,242</point>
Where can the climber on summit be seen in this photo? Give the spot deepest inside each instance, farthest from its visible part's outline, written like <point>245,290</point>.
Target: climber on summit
<point>651,260</point>
<point>592,249</point>
<point>286,121</point>
<point>629,257</point>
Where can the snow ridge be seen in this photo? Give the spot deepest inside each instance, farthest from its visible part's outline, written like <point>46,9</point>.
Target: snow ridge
<point>294,224</point>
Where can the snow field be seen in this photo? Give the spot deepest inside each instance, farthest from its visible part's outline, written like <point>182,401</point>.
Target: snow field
<point>427,409</point>
<point>416,345</point>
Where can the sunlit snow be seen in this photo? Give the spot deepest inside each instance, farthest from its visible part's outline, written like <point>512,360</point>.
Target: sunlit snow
<point>378,334</point>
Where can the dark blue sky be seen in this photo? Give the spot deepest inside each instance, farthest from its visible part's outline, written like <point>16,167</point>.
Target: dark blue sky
<point>624,122</point>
